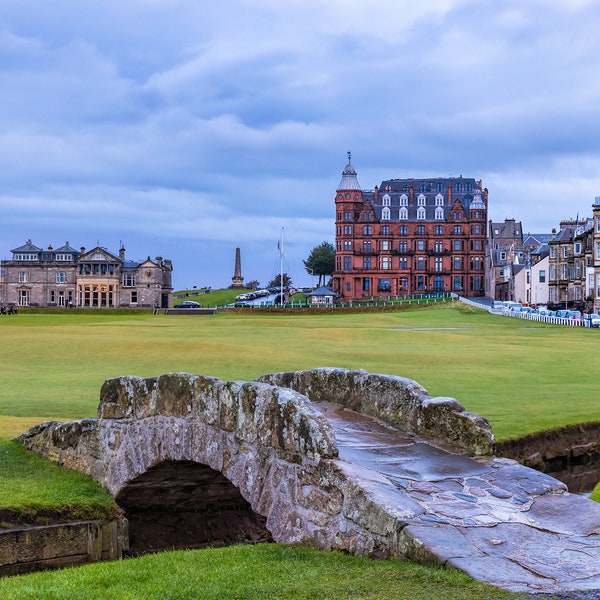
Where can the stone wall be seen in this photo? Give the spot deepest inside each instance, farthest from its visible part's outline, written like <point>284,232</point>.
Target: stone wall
<point>27,549</point>
<point>399,401</point>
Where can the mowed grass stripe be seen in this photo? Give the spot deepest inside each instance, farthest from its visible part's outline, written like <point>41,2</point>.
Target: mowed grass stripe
<point>521,375</point>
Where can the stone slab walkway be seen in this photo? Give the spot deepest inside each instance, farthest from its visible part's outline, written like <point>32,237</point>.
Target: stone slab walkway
<point>498,521</point>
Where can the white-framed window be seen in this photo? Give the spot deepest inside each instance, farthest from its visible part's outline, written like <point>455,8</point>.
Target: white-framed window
<point>552,252</point>
<point>439,200</point>
<point>64,257</point>
<point>26,256</point>
<point>420,200</point>
<point>23,297</point>
<point>385,214</point>
<point>421,213</point>
<point>403,214</point>
<point>502,255</point>
<point>386,200</point>
<point>23,276</point>
<point>61,277</point>
<point>386,262</point>
<point>565,252</point>
<point>552,272</point>
<point>439,213</point>
<point>598,250</point>
<point>404,200</point>
<point>129,280</point>
<point>386,245</point>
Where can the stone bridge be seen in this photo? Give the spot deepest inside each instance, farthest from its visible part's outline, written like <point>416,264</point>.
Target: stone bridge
<point>365,463</point>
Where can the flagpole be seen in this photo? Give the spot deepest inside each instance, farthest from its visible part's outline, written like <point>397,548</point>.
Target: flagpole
<point>281,268</point>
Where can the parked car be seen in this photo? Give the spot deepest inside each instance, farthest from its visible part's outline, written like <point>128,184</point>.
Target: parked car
<point>188,304</point>
<point>497,305</point>
<point>592,320</point>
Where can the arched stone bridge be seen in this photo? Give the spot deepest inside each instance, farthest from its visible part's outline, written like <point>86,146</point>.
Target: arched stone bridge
<point>366,463</point>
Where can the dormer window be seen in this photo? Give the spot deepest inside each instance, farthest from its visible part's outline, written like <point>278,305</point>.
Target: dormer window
<point>386,200</point>
<point>421,200</point>
<point>439,200</point>
<point>439,213</point>
<point>404,200</point>
<point>403,215</point>
<point>421,213</point>
<point>385,214</point>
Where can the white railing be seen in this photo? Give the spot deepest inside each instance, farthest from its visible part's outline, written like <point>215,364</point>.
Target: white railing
<point>540,318</point>
<point>527,315</point>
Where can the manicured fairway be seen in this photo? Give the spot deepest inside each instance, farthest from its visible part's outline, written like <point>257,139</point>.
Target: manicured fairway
<point>521,375</point>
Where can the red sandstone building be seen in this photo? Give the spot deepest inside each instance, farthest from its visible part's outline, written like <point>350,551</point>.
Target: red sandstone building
<point>409,236</point>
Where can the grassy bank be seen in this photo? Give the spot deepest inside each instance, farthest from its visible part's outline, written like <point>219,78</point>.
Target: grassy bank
<point>267,571</point>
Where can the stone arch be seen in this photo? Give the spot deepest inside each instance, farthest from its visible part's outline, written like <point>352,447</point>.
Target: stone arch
<point>267,441</point>
<point>183,504</point>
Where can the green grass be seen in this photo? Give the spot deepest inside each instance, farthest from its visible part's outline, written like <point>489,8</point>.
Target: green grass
<point>522,376</point>
<point>35,491</point>
<point>267,571</point>
<point>210,299</point>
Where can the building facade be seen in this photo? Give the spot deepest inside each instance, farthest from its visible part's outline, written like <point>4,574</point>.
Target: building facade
<point>505,258</point>
<point>95,278</point>
<point>571,265</point>
<point>409,236</point>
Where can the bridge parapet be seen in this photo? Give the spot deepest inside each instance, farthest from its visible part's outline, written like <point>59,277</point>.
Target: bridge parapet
<point>399,401</point>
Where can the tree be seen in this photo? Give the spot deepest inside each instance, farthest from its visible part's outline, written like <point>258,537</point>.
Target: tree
<point>276,281</point>
<point>321,261</point>
<point>252,285</point>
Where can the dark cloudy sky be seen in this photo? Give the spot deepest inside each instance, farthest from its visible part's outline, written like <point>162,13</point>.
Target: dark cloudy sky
<point>186,128</point>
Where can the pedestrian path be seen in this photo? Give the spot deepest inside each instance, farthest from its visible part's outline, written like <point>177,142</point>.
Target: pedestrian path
<point>498,521</point>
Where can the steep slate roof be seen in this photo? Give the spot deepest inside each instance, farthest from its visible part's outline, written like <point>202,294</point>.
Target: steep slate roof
<point>322,291</point>
<point>537,239</point>
<point>509,229</point>
<point>541,250</point>
<point>67,249</point>
<point>27,247</point>
<point>393,190</point>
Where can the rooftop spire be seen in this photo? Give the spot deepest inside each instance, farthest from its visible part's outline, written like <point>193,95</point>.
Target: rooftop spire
<point>349,178</point>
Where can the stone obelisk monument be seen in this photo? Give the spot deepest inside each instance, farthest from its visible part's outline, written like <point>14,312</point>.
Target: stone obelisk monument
<point>237,281</point>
